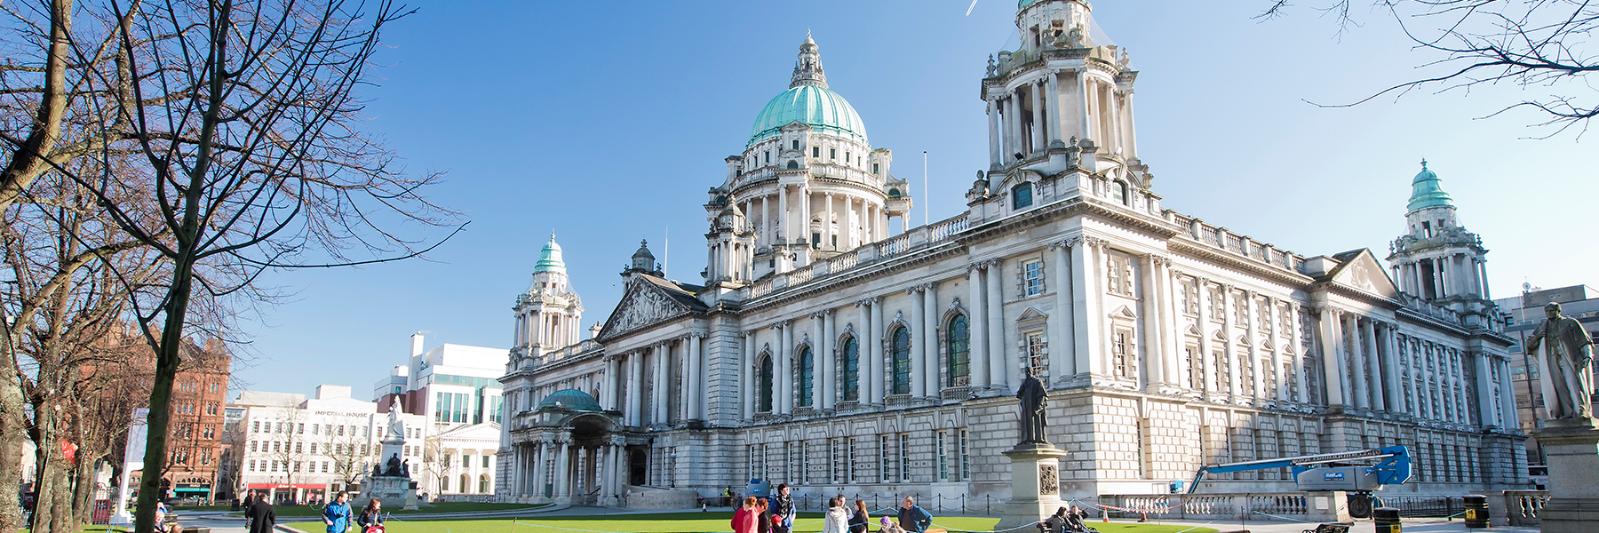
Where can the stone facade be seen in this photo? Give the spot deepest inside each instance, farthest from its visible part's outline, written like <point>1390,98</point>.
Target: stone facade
<point>859,361</point>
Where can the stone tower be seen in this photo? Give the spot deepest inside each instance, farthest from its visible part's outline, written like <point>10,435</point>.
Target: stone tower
<point>1437,260</point>
<point>549,315</point>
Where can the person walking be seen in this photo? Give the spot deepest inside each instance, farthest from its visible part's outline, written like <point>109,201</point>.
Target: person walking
<point>337,514</point>
<point>261,516</point>
<point>837,518</point>
<point>763,514</point>
<point>744,516</point>
<point>782,510</point>
<point>913,517</point>
<point>861,520</point>
<point>371,517</point>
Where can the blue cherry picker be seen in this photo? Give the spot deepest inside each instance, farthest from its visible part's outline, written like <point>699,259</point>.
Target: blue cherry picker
<point>1359,472</point>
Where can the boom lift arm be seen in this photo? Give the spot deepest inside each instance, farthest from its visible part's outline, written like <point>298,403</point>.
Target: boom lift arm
<point>1339,470</point>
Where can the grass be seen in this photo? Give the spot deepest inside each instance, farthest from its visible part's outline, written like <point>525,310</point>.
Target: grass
<point>678,523</point>
<point>442,507</point>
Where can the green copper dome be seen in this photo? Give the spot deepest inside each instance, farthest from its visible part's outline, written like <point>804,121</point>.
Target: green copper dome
<point>1024,3</point>
<point>550,258</point>
<point>572,399</point>
<point>808,101</point>
<point>811,105</point>
<point>1426,192</point>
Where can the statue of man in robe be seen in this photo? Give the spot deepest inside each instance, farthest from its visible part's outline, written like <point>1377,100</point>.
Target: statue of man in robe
<point>1568,356</point>
<point>1033,400</point>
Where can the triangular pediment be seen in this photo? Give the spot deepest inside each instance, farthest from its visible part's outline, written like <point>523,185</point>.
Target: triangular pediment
<point>644,304</point>
<point>1361,271</point>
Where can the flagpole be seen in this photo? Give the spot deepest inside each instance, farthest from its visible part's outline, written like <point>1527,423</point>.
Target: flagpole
<point>926,196</point>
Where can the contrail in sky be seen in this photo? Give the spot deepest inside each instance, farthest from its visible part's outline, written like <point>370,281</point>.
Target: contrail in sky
<point>969,8</point>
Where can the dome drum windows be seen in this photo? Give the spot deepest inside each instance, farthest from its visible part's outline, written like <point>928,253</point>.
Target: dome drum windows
<point>1021,196</point>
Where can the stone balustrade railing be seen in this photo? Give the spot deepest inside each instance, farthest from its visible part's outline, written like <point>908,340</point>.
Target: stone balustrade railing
<point>1522,507</point>
<point>1226,506</point>
<point>1235,244</point>
<point>915,239</point>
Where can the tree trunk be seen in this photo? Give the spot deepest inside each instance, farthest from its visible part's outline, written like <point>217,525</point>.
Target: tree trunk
<point>13,433</point>
<point>85,489</point>
<point>166,367</point>
<point>62,520</point>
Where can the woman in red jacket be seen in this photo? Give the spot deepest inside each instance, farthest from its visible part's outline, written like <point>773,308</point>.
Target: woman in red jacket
<point>745,517</point>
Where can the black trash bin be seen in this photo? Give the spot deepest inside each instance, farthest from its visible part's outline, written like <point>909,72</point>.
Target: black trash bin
<point>1477,511</point>
<point>1386,519</point>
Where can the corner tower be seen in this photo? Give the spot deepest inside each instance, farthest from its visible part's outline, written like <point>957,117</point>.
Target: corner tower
<point>809,184</point>
<point>1437,260</point>
<point>549,315</point>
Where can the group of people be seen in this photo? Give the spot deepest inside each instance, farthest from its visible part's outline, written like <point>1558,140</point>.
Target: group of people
<point>776,515</point>
<point>260,517</point>
<point>1065,521</point>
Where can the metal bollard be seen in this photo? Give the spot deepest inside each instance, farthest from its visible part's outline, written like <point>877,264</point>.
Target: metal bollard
<point>1386,519</point>
<point>1477,512</point>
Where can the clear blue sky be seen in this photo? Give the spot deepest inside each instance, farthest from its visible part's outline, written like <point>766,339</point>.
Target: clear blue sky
<point>607,121</point>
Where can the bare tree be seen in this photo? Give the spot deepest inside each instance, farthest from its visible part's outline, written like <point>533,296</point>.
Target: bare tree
<point>1544,47</point>
<point>288,447</point>
<point>435,465</point>
<point>238,120</point>
<point>351,454</point>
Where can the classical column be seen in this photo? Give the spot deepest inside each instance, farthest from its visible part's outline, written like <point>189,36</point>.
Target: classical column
<point>696,377</point>
<point>1061,365</point>
<point>1207,358</point>
<point>562,468</point>
<point>663,361</point>
<point>1274,319</point>
<point>863,353</point>
<point>1301,374</point>
<point>1149,313</point>
<point>1373,368</point>
<point>1457,365</point>
<point>1507,396</point>
<point>1357,362</point>
<point>784,222</point>
<point>827,222</point>
<point>580,459</point>
<point>1392,364</point>
<point>1013,126</point>
<point>635,388</point>
<point>818,362</point>
<point>994,158</point>
<point>685,388</point>
<point>978,324</point>
<point>517,460</point>
<point>1257,385</point>
<point>1485,388</point>
<point>829,360</point>
<point>618,460</point>
<point>602,471</point>
<point>1038,116</point>
<point>785,370</point>
<point>1233,387</point>
<point>1332,361</point>
<point>877,349</point>
<point>999,369</point>
<point>851,224</point>
<point>1172,340</point>
<point>540,468</point>
<point>929,327</point>
<point>1085,124</point>
<point>1052,107</point>
<point>1086,316</point>
<point>747,375</point>
<point>918,346</point>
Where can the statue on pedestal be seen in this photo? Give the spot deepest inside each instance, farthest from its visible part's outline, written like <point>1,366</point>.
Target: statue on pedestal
<point>396,426</point>
<point>394,466</point>
<point>1569,358</point>
<point>1033,400</point>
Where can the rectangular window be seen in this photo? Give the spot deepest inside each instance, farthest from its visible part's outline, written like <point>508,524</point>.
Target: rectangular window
<point>1038,354</point>
<point>1190,296</point>
<point>255,426</point>
<point>883,458</point>
<point>252,445</point>
<point>832,153</point>
<point>1033,278</point>
<point>1218,304</point>
<point>940,454</point>
<point>1196,370</point>
<point>904,458</point>
<point>1122,353</point>
<point>1240,309</point>
<point>965,464</point>
<point>816,151</point>
<point>834,462</point>
<point>849,459</point>
<point>1119,278</point>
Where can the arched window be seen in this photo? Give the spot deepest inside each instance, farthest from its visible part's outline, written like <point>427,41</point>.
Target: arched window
<point>958,339</point>
<point>765,381</point>
<point>1021,196</point>
<point>1118,189</point>
<point>466,487</point>
<point>901,350</point>
<point>793,165</point>
<point>850,388</point>
<point>805,376</point>
<point>483,484</point>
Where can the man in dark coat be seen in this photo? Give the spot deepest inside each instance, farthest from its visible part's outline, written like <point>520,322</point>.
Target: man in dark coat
<point>261,516</point>
<point>1033,400</point>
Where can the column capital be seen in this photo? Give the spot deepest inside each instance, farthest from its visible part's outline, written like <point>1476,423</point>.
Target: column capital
<point>618,440</point>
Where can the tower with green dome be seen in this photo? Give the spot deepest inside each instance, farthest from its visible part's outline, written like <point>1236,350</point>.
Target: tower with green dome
<point>809,185</point>
<point>1438,260</point>
<point>549,315</point>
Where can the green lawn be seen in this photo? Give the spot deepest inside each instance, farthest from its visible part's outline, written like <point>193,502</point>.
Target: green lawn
<point>444,507</point>
<point>678,523</point>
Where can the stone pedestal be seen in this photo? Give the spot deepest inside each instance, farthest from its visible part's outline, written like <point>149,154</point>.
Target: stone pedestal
<point>1034,485</point>
<point>1572,447</point>
<point>394,491</point>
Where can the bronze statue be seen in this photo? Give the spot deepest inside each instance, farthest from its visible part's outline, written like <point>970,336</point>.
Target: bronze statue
<point>1033,400</point>
<point>394,465</point>
<point>1569,358</point>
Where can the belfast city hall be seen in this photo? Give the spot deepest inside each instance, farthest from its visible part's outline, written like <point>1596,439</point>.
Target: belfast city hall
<point>825,350</point>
